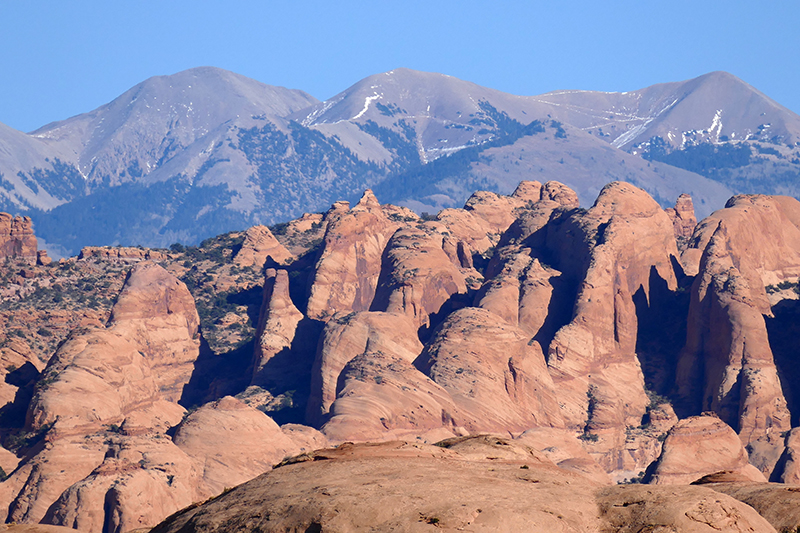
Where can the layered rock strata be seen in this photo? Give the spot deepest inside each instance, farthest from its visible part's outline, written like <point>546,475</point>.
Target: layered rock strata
<point>17,239</point>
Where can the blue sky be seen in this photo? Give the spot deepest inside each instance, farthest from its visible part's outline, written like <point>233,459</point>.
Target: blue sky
<point>60,58</point>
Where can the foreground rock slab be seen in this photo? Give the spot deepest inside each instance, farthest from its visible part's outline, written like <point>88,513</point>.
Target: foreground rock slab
<point>474,483</point>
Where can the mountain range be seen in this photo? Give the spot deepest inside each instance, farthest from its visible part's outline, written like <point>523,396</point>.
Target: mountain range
<point>184,157</point>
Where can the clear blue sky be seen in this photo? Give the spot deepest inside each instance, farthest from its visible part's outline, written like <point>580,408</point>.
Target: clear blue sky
<point>64,57</point>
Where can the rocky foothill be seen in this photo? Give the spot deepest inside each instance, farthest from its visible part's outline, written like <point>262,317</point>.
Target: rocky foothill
<point>519,364</point>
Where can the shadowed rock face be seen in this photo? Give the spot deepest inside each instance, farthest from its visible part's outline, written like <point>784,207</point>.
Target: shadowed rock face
<point>278,322</point>
<point>608,254</point>
<point>347,336</point>
<point>727,365</point>
<point>683,220</point>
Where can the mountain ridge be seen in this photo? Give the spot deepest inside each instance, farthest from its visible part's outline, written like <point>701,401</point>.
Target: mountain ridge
<point>220,151</point>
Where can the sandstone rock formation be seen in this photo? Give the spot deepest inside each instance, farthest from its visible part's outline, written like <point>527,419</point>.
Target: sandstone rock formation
<point>698,446</point>
<point>16,238</point>
<point>753,243</point>
<point>139,480</point>
<point>778,504</point>
<point>259,244</point>
<point>349,264</point>
<point>273,360</point>
<point>496,378</point>
<point>482,484</point>
<point>104,405</point>
<point>487,215</point>
<point>230,442</point>
<point>123,253</point>
<point>157,312</point>
<point>561,447</point>
<point>417,277</point>
<point>789,462</point>
<point>127,375</point>
<point>568,331</point>
<point>347,336</point>
<point>613,252</point>
<point>382,396</point>
<point>683,220</point>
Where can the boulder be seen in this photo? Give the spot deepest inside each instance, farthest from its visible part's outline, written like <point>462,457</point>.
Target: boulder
<point>698,446</point>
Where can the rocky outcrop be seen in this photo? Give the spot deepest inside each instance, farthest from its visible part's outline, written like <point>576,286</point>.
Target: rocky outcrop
<point>614,253</point>
<point>683,220</point>
<point>698,446</point>
<point>498,380</point>
<point>274,363</point>
<point>521,290</point>
<point>127,377</point>
<point>778,504</point>
<point>121,253</point>
<point>347,336</point>
<point>486,216</point>
<point>639,508</point>
<point>382,396</point>
<point>17,239</point>
<point>349,264</point>
<point>156,312</point>
<point>140,480</point>
<point>62,461</point>
<point>260,244</point>
<point>729,364</point>
<point>561,447</point>
<point>476,483</point>
<point>789,463</point>
<point>568,336</point>
<point>231,443</point>
<point>417,277</point>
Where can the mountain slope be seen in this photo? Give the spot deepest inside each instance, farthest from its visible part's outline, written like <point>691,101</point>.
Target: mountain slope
<point>713,107</point>
<point>187,156</point>
<point>34,174</point>
<point>147,125</point>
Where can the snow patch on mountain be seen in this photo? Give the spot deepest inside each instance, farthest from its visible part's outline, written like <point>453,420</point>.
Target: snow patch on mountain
<point>367,101</point>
